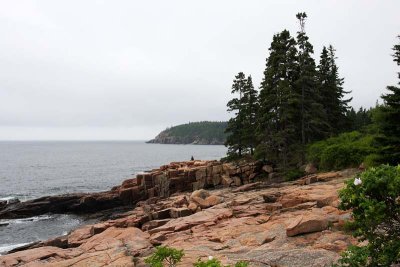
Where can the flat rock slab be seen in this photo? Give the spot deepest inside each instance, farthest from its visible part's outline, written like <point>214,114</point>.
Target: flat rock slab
<point>112,247</point>
<point>206,216</point>
<point>307,223</point>
<point>290,257</point>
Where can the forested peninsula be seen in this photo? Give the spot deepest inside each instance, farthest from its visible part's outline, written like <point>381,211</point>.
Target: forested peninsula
<point>197,133</point>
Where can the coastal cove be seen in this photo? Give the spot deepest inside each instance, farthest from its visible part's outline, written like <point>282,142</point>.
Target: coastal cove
<point>32,169</point>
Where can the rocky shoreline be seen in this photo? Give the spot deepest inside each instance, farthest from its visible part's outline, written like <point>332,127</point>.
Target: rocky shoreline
<point>172,140</point>
<point>204,207</point>
<point>162,182</point>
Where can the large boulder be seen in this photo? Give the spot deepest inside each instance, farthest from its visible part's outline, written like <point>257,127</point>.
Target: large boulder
<point>129,183</point>
<point>202,198</point>
<point>307,223</point>
<point>271,197</point>
<point>200,194</point>
<point>79,236</point>
<point>268,168</point>
<point>310,169</point>
<point>193,207</point>
<point>180,201</point>
<point>226,180</point>
<point>213,200</point>
<point>207,202</point>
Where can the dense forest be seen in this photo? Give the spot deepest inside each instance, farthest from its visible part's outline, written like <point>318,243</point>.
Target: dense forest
<point>200,133</point>
<point>301,112</point>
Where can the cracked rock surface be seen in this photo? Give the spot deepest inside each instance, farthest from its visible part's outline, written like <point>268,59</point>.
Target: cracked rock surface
<point>284,224</point>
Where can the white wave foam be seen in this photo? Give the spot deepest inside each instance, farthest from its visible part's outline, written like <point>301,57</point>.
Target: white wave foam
<point>27,220</point>
<point>6,248</point>
<point>10,199</point>
<point>6,198</point>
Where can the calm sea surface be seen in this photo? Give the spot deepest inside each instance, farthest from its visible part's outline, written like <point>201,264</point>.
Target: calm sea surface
<point>31,169</point>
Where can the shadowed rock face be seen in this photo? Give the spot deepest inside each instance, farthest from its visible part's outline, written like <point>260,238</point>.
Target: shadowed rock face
<point>287,224</point>
<point>70,203</point>
<point>162,182</point>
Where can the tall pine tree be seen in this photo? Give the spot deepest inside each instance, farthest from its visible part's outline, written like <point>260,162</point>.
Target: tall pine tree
<point>389,121</point>
<point>312,118</point>
<point>249,110</point>
<point>277,113</point>
<point>235,139</point>
<point>357,121</point>
<point>332,92</point>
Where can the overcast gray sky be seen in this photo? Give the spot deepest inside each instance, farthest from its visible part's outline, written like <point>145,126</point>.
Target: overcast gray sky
<point>128,69</point>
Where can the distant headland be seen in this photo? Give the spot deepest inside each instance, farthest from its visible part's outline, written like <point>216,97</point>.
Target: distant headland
<point>198,133</point>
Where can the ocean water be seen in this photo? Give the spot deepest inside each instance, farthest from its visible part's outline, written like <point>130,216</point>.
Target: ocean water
<point>31,169</point>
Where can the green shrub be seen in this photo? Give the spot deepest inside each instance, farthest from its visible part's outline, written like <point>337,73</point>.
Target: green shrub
<point>208,263</point>
<point>354,256</point>
<point>345,150</point>
<point>293,174</point>
<point>375,204</point>
<point>165,255</point>
<point>241,264</point>
<point>372,160</point>
<point>171,256</point>
<point>217,263</point>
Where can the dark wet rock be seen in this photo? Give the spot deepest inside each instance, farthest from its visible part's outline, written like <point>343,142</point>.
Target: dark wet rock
<point>70,203</point>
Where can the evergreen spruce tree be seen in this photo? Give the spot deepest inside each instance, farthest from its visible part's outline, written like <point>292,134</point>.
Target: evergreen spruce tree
<point>277,113</point>
<point>235,139</point>
<point>313,124</point>
<point>351,117</point>
<point>249,109</point>
<point>331,92</point>
<point>389,121</point>
<point>363,118</point>
<point>357,121</point>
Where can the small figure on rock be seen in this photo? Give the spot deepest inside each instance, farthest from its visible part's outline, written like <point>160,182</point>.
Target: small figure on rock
<point>192,158</point>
